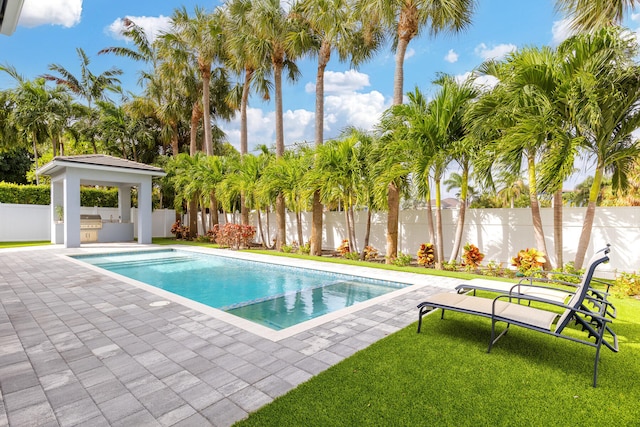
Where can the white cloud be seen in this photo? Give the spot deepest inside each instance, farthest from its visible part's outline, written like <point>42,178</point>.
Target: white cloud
<point>451,56</point>
<point>561,31</point>
<point>482,82</point>
<point>409,53</point>
<point>342,108</point>
<point>335,82</point>
<point>153,26</point>
<point>362,110</point>
<point>50,12</point>
<point>497,52</point>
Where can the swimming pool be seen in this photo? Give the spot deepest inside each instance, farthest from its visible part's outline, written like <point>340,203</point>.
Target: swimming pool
<point>271,295</point>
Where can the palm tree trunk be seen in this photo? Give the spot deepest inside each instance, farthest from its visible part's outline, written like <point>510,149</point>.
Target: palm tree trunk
<point>587,225</point>
<point>557,227</point>
<point>196,114</point>
<point>316,221</point>
<point>316,225</point>
<point>203,218</point>
<point>439,235</point>
<point>35,154</point>
<point>299,224</point>
<point>393,201</point>
<point>281,237</point>
<point>393,195</point>
<point>193,217</point>
<point>348,227</point>
<point>367,234</point>
<point>269,245</point>
<point>462,210</point>
<point>398,76</point>
<point>54,143</point>
<point>206,111</point>
<point>430,226</point>
<point>248,75</point>
<point>260,229</point>
<point>213,210</point>
<point>280,207</point>
<point>536,218</point>
<point>352,238</point>
<point>175,149</point>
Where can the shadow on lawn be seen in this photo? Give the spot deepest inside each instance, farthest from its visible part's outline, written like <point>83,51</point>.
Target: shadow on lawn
<point>530,347</point>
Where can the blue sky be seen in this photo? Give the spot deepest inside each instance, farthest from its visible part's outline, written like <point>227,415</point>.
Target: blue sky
<point>49,31</point>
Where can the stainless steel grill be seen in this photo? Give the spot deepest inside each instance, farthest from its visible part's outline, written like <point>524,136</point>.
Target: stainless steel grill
<point>89,226</point>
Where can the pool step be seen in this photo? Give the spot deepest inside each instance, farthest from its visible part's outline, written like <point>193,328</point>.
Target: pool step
<point>145,262</point>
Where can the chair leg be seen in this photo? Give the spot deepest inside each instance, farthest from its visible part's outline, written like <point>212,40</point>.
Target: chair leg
<point>495,339</point>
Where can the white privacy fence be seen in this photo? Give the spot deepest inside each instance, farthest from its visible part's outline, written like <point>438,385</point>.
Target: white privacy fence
<point>499,233</point>
<point>23,223</point>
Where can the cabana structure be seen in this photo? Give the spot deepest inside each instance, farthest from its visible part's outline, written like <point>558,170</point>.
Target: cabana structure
<point>68,173</point>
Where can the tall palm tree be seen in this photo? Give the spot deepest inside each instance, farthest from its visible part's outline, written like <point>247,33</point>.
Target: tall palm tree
<point>202,38</point>
<point>161,98</point>
<point>272,24</point>
<point>591,15</point>
<point>406,19</point>
<point>247,57</point>
<point>89,86</point>
<point>326,26</point>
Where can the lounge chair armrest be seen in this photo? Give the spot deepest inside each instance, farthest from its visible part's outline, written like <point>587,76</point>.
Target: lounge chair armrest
<point>538,286</point>
<point>534,281</point>
<point>520,297</point>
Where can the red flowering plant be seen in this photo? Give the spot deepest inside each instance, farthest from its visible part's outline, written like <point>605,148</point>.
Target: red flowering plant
<point>234,236</point>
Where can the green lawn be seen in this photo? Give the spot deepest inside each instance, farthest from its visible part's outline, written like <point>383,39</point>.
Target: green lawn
<point>444,376</point>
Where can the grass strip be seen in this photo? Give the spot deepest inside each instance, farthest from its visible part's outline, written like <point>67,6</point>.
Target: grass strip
<point>6,245</point>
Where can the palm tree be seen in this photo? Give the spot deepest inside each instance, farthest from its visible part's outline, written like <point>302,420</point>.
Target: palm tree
<point>39,112</point>
<point>246,181</point>
<point>337,176</point>
<point>591,15</point>
<point>272,24</point>
<point>180,172</point>
<point>88,86</point>
<point>405,19</point>
<point>202,38</point>
<point>463,145</point>
<point>514,187</point>
<point>326,26</point>
<point>606,99</point>
<point>247,56</point>
<point>529,121</point>
<point>161,99</point>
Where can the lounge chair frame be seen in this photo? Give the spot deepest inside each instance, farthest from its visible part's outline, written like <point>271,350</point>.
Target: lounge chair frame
<point>595,322</point>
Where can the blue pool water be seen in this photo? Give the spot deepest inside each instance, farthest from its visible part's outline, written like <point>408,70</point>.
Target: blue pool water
<point>271,295</point>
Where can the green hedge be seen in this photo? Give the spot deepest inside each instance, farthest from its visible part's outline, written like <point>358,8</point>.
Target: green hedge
<point>41,195</point>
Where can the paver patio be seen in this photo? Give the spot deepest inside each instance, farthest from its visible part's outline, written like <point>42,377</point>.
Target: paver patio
<point>78,347</point>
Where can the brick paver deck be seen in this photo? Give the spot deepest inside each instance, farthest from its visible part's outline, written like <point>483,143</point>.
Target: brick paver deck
<point>81,348</point>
